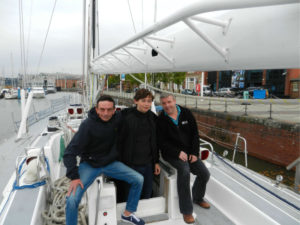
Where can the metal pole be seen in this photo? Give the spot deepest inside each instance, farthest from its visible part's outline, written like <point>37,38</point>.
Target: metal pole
<point>107,82</point>
<point>270,111</point>
<point>202,83</point>
<point>235,147</point>
<point>196,104</point>
<point>245,114</point>
<point>120,84</point>
<point>209,105</point>
<point>155,10</point>
<point>225,107</point>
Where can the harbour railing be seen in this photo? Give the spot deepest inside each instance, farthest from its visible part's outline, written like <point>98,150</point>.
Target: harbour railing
<point>55,106</point>
<point>286,110</point>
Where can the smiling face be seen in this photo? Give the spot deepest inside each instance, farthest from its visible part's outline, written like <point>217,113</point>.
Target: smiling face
<point>105,110</point>
<point>169,104</point>
<point>144,104</point>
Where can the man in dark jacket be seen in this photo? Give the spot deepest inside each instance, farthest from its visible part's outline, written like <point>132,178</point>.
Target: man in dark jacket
<point>178,141</point>
<point>96,144</point>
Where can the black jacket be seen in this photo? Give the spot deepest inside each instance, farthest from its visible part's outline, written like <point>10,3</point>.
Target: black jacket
<point>172,139</point>
<point>128,133</point>
<point>95,142</point>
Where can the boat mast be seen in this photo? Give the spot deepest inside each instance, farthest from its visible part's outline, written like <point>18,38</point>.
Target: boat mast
<point>84,72</point>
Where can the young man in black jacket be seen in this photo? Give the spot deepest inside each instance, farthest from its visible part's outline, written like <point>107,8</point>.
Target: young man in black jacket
<point>96,144</point>
<point>178,141</point>
<point>138,144</point>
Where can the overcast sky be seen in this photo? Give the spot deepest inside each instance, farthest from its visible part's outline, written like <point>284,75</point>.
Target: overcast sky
<point>63,47</point>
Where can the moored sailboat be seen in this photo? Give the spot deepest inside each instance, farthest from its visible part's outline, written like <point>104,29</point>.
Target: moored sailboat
<point>238,196</point>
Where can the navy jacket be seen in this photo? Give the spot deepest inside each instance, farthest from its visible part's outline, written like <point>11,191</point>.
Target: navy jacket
<point>95,142</point>
<point>172,139</point>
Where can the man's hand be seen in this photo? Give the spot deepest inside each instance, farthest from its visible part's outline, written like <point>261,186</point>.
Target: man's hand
<point>156,169</point>
<point>73,186</point>
<point>193,158</point>
<point>183,156</point>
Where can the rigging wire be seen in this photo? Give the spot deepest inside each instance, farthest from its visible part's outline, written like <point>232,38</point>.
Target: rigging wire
<point>131,16</point>
<point>142,14</point>
<point>22,44</point>
<point>40,59</point>
<point>28,38</point>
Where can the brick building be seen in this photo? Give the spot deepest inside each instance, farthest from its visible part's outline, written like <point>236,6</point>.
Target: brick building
<point>67,83</point>
<point>281,83</point>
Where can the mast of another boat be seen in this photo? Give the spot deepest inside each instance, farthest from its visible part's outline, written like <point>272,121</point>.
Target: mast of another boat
<point>84,72</point>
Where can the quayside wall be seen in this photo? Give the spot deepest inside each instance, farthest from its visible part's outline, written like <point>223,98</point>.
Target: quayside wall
<point>274,141</point>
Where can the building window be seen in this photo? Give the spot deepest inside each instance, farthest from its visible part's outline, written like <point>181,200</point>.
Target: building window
<point>295,86</point>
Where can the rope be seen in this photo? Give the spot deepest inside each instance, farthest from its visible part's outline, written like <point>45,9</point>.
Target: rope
<point>17,187</point>
<point>216,141</point>
<point>259,185</point>
<point>215,128</point>
<point>56,211</point>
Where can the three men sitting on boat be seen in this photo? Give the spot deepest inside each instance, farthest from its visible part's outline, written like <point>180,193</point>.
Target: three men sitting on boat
<point>135,135</point>
<point>178,140</point>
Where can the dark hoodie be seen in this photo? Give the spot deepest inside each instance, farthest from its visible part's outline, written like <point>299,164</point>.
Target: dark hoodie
<point>137,142</point>
<point>94,142</point>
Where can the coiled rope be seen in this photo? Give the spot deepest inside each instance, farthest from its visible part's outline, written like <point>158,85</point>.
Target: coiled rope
<point>56,212</point>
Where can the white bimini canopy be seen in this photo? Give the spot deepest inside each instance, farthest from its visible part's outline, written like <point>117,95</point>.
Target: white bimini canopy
<point>247,34</point>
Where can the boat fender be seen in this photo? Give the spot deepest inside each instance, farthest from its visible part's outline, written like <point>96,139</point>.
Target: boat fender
<point>31,174</point>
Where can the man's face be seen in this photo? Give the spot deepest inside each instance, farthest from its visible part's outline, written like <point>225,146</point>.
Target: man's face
<point>168,104</point>
<point>143,104</point>
<point>105,110</point>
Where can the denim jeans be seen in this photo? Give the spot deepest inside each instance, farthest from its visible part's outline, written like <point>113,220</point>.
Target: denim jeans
<point>115,170</point>
<point>183,183</point>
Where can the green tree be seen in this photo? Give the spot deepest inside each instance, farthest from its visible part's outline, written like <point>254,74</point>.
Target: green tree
<point>113,80</point>
<point>179,77</point>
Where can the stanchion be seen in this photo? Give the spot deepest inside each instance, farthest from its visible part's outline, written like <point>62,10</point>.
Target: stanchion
<point>245,114</point>
<point>270,111</point>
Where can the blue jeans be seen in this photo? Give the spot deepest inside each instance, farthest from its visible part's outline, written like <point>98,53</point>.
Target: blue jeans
<point>115,170</point>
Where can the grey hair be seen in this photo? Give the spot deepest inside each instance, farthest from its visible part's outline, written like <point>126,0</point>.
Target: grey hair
<point>165,95</point>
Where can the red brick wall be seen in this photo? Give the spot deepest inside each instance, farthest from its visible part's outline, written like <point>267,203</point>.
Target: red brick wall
<point>70,83</point>
<point>277,145</point>
<point>291,74</point>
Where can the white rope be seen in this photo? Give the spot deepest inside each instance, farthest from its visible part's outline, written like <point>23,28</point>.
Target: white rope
<point>55,214</point>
